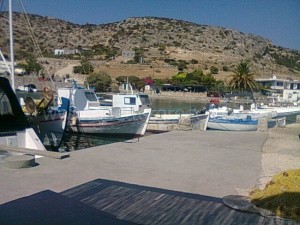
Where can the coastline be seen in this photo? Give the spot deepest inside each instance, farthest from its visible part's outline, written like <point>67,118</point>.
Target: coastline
<point>183,96</point>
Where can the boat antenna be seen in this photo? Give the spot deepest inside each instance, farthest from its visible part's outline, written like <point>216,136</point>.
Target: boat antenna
<point>4,60</point>
<point>33,38</point>
<point>12,68</point>
<point>128,85</point>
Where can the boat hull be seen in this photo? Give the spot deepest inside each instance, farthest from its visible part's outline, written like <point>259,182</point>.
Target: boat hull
<point>232,125</point>
<point>169,122</point>
<point>50,128</point>
<point>127,125</point>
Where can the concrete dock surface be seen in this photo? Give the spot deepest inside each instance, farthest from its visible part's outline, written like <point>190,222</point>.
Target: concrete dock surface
<point>212,164</point>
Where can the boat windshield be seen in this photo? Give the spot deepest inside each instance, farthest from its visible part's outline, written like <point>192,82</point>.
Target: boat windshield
<point>145,100</point>
<point>91,96</point>
<point>5,107</point>
<point>11,116</point>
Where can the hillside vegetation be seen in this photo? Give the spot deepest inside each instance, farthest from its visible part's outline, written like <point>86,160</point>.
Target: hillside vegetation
<point>159,41</point>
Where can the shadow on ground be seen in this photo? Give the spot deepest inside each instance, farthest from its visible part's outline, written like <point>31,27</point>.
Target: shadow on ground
<point>110,202</point>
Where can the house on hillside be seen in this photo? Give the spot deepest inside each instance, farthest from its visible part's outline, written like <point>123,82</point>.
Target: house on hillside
<point>66,51</point>
<point>127,54</point>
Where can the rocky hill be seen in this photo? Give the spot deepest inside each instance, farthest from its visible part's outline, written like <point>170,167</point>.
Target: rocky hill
<point>158,40</point>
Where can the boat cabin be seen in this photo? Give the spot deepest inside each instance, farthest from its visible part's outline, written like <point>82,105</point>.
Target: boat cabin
<point>137,102</point>
<point>80,98</point>
<point>12,117</point>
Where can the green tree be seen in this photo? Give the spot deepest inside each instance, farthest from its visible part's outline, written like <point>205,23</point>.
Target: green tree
<point>85,68</point>
<point>158,82</point>
<point>194,61</point>
<point>135,82</point>
<point>209,81</point>
<point>140,85</point>
<point>31,66</point>
<point>121,79</point>
<point>243,78</point>
<point>182,64</point>
<point>197,77</point>
<point>101,81</point>
<point>214,70</point>
<point>179,78</point>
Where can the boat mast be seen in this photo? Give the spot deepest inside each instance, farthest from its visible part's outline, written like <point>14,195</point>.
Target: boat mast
<point>12,70</point>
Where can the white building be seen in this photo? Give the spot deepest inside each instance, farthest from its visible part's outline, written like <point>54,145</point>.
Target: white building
<point>126,54</point>
<point>65,51</point>
<point>287,89</point>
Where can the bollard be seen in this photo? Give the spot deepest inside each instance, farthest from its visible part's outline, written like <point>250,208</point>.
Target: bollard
<point>262,124</point>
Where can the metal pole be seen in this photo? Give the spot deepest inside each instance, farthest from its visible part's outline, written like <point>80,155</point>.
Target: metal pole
<point>12,72</point>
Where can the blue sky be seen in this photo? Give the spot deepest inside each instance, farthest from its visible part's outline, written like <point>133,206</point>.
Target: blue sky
<point>277,20</point>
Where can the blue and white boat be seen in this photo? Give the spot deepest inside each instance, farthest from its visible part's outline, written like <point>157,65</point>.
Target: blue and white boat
<point>231,123</point>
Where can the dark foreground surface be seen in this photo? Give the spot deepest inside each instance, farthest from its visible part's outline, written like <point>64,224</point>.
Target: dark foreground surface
<point>109,202</point>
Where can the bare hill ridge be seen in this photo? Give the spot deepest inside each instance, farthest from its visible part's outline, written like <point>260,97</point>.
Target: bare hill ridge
<point>160,39</point>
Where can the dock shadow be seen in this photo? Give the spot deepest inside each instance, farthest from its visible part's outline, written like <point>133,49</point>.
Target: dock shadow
<point>111,202</point>
<point>48,208</point>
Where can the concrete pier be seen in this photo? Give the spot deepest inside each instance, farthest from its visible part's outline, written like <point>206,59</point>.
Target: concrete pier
<point>210,163</point>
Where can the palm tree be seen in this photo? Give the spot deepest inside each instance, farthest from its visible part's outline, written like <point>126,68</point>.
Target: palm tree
<point>243,78</point>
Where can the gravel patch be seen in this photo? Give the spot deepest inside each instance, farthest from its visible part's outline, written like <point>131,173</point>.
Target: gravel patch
<point>280,152</point>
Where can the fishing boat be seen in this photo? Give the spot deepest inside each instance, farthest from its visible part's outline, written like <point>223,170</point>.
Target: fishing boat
<point>244,122</point>
<point>254,112</point>
<point>168,122</point>
<point>49,122</point>
<point>284,104</point>
<point>286,109</point>
<point>15,131</point>
<point>231,123</point>
<point>88,116</point>
<point>160,122</point>
<point>225,118</point>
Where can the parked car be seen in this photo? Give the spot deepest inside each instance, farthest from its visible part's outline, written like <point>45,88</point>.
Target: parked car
<point>27,88</point>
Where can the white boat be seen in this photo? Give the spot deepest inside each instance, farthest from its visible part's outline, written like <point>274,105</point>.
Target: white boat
<point>27,88</point>
<point>285,105</point>
<point>284,110</point>
<point>236,122</point>
<point>254,112</point>
<point>50,123</point>
<point>230,123</point>
<point>109,121</point>
<point>15,130</point>
<point>89,117</point>
<point>229,119</point>
<point>159,122</point>
<point>168,122</point>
